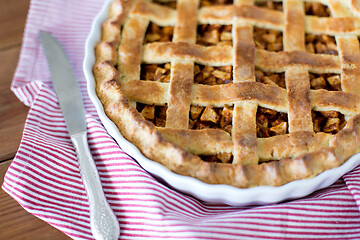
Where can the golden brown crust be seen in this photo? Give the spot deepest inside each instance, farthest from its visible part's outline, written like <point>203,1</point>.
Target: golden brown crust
<point>199,142</point>
<point>277,160</point>
<point>163,52</point>
<point>179,100</point>
<point>245,59</point>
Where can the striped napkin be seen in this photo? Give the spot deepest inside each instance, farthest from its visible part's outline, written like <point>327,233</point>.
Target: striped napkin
<point>44,177</point>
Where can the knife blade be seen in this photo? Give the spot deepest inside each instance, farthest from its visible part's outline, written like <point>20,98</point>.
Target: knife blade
<point>104,224</point>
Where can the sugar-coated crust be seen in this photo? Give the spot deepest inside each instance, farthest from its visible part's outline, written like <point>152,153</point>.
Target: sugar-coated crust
<point>264,161</point>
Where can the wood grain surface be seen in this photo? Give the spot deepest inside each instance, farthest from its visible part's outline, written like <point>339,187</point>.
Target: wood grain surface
<point>15,222</point>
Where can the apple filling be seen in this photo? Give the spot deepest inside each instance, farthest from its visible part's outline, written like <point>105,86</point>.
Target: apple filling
<point>274,79</point>
<point>170,4</point>
<point>317,9</point>
<point>328,81</point>
<point>328,121</point>
<point>273,5</point>
<point>270,123</point>
<point>155,33</point>
<point>207,3</point>
<point>212,75</point>
<point>214,34</point>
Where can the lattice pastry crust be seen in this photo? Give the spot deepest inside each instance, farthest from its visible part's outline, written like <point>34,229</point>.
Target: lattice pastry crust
<point>311,138</point>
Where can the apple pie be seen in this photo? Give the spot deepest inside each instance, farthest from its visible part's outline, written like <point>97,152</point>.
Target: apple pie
<point>244,93</point>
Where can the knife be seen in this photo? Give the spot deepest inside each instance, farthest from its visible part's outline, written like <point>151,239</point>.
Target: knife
<point>104,224</point>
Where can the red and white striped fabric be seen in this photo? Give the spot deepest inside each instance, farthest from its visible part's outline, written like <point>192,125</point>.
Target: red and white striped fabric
<point>44,177</point>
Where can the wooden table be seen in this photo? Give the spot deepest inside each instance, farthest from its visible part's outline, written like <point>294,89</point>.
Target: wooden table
<point>15,222</point>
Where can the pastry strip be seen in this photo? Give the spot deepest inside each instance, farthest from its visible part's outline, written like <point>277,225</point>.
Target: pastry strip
<point>265,95</point>
<point>223,55</point>
<point>182,73</point>
<point>272,19</point>
<point>349,52</point>
<point>160,15</point>
<point>244,114</point>
<point>130,48</point>
<point>297,80</point>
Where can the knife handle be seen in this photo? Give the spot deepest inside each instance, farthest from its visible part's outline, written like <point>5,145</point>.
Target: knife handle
<point>104,224</point>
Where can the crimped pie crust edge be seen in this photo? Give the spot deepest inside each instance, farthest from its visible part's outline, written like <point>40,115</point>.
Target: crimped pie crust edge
<point>154,146</point>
